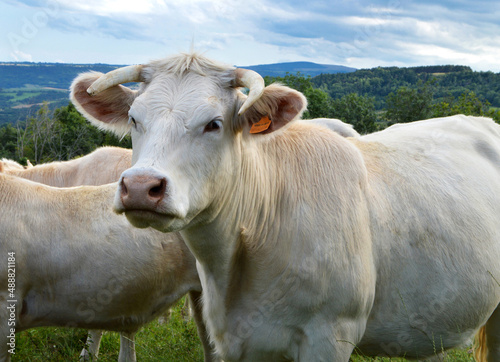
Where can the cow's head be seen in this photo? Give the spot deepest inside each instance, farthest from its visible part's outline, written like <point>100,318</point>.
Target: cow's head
<point>189,123</point>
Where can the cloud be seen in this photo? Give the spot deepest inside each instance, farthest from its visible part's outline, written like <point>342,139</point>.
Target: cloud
<point>19,56</point>
<point>349,32</point>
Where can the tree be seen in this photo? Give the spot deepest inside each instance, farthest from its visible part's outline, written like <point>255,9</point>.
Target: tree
<point>60,135</point>
<point>358,111</point>
<point>319,103</point>
<point>33,138</point>
<point>409,104</point>
<point>467,103</point>
<point>8,141</point>
<point>495,114</point>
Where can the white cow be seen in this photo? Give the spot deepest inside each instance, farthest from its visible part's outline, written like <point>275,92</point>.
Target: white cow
<point>310,244</point>
<point>78,264</point>
<point>102,166</point>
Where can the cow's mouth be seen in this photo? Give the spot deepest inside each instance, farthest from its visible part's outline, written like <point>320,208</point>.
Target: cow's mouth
<point>147,218</point>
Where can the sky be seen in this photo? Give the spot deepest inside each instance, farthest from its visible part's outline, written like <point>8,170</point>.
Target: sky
<point>354,33</point>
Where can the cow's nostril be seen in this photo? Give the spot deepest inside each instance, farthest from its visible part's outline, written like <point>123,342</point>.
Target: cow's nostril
<point>158,191</point>
<point>123,187</point>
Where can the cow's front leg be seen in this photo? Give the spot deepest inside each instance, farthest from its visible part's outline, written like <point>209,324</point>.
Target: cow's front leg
<point>127,347</point>
<point>91,350</point>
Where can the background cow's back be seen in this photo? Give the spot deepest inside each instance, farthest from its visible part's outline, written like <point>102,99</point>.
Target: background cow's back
<point>102,166</point>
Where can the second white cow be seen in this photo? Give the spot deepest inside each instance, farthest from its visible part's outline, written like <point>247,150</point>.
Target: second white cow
<point>78,264</point>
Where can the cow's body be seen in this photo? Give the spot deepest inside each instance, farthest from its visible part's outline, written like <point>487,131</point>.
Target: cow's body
<point>310,244</point>
<point>103,166</point>
<point>78,264</point>
<point>434,192</point>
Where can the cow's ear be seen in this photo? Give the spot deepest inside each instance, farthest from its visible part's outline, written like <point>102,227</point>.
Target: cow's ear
<point>277,106</point>
<point>108,109</point>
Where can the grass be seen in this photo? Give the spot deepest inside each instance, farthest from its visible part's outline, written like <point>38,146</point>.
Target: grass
<point>174,341</point>
<point>21,96</point>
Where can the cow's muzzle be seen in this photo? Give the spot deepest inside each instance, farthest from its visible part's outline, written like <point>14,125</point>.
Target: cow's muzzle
<point>142,192</point>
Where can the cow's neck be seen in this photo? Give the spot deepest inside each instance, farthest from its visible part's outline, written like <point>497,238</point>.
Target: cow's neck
<point>242,229</point>
<point>268,231</point>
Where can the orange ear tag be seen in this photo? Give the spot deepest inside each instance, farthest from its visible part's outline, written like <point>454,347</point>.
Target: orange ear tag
<point>261,126</point>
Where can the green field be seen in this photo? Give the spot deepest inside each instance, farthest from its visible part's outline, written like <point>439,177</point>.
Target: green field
<point>18,103</point>
<point>175,340</point>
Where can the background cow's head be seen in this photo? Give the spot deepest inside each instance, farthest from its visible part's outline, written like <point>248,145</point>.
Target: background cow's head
<point>190,125</point>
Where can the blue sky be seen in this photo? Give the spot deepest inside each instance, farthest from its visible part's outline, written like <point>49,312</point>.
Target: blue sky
<point>355,33</point>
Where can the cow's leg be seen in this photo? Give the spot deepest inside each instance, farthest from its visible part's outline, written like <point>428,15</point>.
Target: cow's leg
<point>92,345</point>
<point>196,305</point>
<point>127,347</point>
<point>165,317</point>
<point>187,311</point>
<point>493,336</point>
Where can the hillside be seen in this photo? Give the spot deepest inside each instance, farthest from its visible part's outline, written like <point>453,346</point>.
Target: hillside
<point>305,68</point>
<point>25,86</point>
<point>447,81</point>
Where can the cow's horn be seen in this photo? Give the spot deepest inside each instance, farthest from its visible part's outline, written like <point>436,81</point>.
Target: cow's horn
<point>132,73</point>
<point>255,84</point>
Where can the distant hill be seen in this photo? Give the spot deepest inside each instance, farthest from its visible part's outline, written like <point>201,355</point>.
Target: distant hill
<point>305,68</point>
<point>25,86</point>
<point>55,75</point>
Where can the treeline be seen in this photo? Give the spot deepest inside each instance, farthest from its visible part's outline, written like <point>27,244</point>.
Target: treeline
<point>63,134</point>
<point>448,81</point>
<point>413,101</point>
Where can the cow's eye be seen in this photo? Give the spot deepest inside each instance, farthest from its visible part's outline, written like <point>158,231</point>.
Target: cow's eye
<point>132,121</point>
<point>213,125</point>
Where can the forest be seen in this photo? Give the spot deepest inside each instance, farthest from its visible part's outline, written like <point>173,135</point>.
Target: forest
<point>449,81</point>
<point>370,100</point>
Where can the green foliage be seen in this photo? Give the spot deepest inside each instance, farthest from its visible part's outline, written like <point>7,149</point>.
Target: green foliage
<point>319,103</point>
<point>8,141</point>
<point>495,114</point>
<point>59,135</point>
<point>409,104</point>
<point>467,103</point>
<point>380,82</point>
<point>352,108</point>
<point>358,111</point>
<point>176,340</point>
